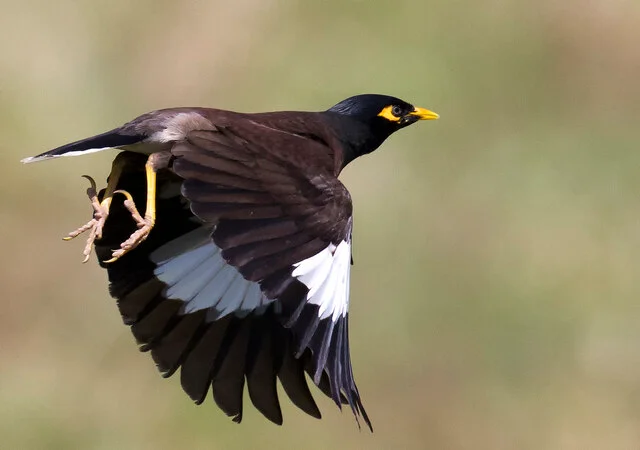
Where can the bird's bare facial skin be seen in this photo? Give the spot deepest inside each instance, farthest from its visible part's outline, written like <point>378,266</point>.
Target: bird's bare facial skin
<point>392,113</point>
<point>402,116</point>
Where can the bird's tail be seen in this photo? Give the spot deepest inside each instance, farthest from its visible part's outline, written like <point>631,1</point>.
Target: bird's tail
<point>111,139</point>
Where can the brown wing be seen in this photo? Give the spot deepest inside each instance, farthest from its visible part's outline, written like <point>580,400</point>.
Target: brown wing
<point>272,207</point>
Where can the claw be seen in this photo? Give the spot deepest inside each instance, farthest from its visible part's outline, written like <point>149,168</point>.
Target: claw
<point>155,162</point>
<point>96,224</point>
<point>91,190</point>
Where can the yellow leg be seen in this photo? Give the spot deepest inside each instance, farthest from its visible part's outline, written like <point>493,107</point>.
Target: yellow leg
<point>150,211</point>
<point>146,223</point>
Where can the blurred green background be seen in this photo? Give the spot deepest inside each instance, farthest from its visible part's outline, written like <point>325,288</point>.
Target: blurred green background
<point>495,295</point>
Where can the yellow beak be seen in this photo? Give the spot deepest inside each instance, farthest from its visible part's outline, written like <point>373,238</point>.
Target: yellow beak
<point>424,114</point>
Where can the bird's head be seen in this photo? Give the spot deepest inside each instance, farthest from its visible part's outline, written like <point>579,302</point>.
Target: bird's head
<point>377,116</point>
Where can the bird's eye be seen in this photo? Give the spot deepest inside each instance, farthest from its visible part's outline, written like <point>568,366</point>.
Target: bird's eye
<point>396,111</point>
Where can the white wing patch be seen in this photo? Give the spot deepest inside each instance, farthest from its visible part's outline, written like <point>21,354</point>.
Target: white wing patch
<point>326,274</point>
<point>194,271</point>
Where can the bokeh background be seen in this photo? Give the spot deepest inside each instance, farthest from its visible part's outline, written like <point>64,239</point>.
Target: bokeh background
<point>495,294</point>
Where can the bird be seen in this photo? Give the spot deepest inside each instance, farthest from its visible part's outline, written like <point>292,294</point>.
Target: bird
<point>238,271</point>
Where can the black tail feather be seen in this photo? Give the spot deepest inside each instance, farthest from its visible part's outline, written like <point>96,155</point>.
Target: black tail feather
<point>111,139</point>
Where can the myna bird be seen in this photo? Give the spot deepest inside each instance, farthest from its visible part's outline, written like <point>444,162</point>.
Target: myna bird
<point>238,271</point>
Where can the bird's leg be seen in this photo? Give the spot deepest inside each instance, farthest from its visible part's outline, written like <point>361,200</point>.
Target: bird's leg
<point>100,209</point>
<point>155,162</point>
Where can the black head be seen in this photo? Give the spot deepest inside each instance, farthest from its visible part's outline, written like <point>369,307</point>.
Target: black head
<point>374,118</point>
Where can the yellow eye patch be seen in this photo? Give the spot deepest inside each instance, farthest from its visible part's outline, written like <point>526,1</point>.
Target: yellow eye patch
<point>388,114</point>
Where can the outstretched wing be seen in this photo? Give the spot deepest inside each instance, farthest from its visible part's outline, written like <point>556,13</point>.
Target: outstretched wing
<point>248,278</point>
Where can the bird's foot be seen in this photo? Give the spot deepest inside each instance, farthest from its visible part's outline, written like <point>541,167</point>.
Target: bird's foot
<point>96,224</point>
<point>145,224</point>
